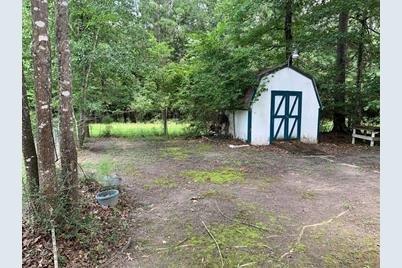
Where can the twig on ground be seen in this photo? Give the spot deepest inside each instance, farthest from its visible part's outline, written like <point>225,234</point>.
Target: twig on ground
<point>83,172</point>
<point>247,264</point>
<point>106,264</point>
<point>168,248</point>
<point>349,165</point>
<point>325,157</point>
<point>310,226</point>
<point>181,242</point>
<point>241,222</point>
<point>238,146</point>
<point>55,256</point>
<point>54,244</point>
<point>216,243</point>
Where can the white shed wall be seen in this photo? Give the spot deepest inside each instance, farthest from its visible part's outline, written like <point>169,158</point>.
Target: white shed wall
<point>286,80</point>
<point>260,113</point>
<point>238,128</point>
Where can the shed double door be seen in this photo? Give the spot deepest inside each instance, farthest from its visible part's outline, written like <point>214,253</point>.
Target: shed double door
<point>286,107</point>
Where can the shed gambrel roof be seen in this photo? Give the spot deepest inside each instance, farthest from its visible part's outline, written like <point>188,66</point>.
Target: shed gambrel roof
<point>250,93</point>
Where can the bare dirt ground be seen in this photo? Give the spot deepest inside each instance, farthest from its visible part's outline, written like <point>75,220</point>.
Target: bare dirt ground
<point>257,219</point>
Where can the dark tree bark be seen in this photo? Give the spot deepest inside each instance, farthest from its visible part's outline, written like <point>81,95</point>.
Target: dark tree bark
<point>341,61</point>
<point>164,118</point>
<point>28,145</point>
<point>288,30</point>
<point>132,117</point>
<point>42,73</point>
<point>68,152</point>
<point>360,69</point>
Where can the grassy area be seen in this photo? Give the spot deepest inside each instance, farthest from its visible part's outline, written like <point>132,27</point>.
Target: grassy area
<point>137,130</point>
<point>241,246</point>
<point>220,176</point>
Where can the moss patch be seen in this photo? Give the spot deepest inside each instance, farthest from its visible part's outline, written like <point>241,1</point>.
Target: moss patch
<point>239,244</point>
<point>219,195</point>
<point>183,153</point>
<point>352,252</point>
<point>177,153</point>
<point>162,183</point>
<point>252,213</point>
<point>218,176</point>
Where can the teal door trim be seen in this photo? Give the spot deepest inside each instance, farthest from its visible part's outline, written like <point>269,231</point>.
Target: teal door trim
<point>288,114</point>
<point>318,124</point>
<point>249,125</point>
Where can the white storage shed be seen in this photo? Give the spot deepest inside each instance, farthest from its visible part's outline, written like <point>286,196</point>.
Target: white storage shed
<point>285,106</point>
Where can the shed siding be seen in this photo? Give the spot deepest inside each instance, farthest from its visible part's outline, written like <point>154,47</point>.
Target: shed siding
<point>238,129</point>
<point>286,80</point>
<point>260,120</point>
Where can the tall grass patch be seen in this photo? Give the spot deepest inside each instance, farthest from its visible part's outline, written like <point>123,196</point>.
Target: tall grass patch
<point>138,130</point>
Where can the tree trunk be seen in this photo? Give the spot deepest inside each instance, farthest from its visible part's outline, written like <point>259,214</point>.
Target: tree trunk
<point>68,152</point>
<point>164,118</point>
<point>341,58</point>
<point>360,70</point>
<point>288,30</point>
<point>41,63</point>
<point>28,146</point>
<point>83,128</point>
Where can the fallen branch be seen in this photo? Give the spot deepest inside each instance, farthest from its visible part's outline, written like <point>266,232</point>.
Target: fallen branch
<point>238,146</point>
<point>241,222</point>
<point>54,244</point>
<point>310,226</point>
<point>181,242</point>
<point>247,264</point>
<point>55,257</point>
<point>169,248</point>
<point>216,243</point>
<point>83,172</point>
<point>349,165</point>
<point>124,248</point>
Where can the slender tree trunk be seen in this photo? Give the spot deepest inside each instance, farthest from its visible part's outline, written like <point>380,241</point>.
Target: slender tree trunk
<point>360,69</point>
<point>164,118</point>
<point>83,128</point>
<point>28,146</point>
<point>341,61</point>
<point>42,69</point>
<point>68,152</point>
<point>288,30</point>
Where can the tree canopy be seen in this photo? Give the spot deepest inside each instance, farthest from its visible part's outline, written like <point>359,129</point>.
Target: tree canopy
<point>198,57</point>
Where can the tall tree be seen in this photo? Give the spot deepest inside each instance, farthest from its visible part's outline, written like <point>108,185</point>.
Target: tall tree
<point>360,67</point>
<point>28,145</point>
<point>340,77</point>
<point>42,74</point>
<point>288,30</point>
<point>68,152</point>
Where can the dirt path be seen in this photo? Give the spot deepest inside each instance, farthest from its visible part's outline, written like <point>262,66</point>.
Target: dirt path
<point>177,184</point>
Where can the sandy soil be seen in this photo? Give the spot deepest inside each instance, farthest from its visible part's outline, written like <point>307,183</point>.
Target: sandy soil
<point>285,187</point>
